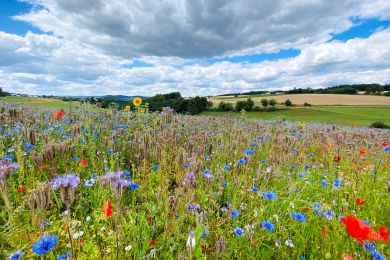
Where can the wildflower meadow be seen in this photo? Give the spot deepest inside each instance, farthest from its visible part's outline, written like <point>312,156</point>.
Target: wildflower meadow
<point>92,183</point>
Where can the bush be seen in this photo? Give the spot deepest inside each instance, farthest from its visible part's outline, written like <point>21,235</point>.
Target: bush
<point>223,106</point>
<point>272,102</point>
<point>288,103</point>
<point>264,102</point>
<point>307,104</point>
<point>380,125</point>
<point>257,109</point>
<point>246,105</point>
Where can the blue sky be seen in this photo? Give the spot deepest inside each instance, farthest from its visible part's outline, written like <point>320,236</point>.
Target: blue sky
<point>90,47</point>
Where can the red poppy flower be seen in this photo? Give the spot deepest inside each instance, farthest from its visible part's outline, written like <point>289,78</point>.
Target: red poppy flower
<point>59,115</point>
<point>336,159</point>
<point>43,166</point>
<point>362,152</point>
<point>384,144</point>
<point>384,233</point>
<point>83,162</point>
<point>324,231</point>
<point>360,169</point>
<point>148,219</point>
<point>107,208</point>
<point>360,202</point>
<point>359,230</point>
<point>152,243</point>
<point>21,189</point>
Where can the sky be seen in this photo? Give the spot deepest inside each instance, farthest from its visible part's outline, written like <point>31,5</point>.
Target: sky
<point>196,47</point>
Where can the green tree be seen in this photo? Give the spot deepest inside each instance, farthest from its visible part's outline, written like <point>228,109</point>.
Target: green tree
<point>272,102</point>
<point>288,103</point>
<point>264,102</point>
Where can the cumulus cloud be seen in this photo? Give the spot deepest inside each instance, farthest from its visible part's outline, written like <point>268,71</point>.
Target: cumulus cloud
<point>88,44</point>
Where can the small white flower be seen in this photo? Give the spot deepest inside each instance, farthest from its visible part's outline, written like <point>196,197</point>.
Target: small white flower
<point>255,213</point>
<point>191,240</point>
<point>88,218</point>
<point>102,229</point>
<point>75,236</point>
<point>289,243</point>
<point>128,247</point>
<point>81,233</point>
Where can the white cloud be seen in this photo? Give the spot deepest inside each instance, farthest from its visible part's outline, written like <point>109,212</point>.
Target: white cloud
<point>90,41</point>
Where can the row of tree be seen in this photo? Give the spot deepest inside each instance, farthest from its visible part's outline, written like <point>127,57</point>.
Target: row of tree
<point>369,89</point>
<point>249,105</point>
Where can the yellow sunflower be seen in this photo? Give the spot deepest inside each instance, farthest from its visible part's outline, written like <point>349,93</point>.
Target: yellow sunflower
<point>127,108</point>
<point>143,110</point>
<point>137,101</point>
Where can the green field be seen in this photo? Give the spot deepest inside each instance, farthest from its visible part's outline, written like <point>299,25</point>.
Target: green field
<point>41,102</point>
<point>343,115</point>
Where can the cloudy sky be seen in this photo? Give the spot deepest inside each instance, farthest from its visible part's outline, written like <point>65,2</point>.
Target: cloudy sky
<point>197,47</point>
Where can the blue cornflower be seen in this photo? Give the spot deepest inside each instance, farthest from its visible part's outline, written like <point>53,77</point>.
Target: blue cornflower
<point>239,231</point>
<point>65,256</point>
<point>89,183</point>
<point>386,149</point>
<point>226,167</point>
<point>377,256</point>
<point>263,160</point>
<point>155,167</point>
<point>294,150</point>
<point>241,161</point>
<point>292,167</point>
<point>17,255</point>
<point>28,147</point>
<point>205,233</point>
<point>369,246</point>
<point>235,213</point>
<point>324,183</point>
<point>337,183</point>
<point>302,258</point>
<point>269,195</point>
<point>298,216</point>
<point>249,152</point>
<point>127,175</point>
<point>44,245</point>
<point>328,214</point>
<point>254,188</point>
<point>133,186</point>
<point>268,225</point>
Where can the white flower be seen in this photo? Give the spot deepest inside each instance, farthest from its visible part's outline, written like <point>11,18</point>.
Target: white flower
<point>75,236</point>
<point>81,233</point>
<point>88,218</point>
<point>102,229</point>
<point>128,247</point>
<point>289,243</point>
<point>191,240</point>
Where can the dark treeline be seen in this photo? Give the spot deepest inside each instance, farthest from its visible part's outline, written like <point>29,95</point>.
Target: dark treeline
<point>3,93</point>
<point>370,89</point>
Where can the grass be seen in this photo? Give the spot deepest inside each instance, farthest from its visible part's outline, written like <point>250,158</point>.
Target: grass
<point>350,116</point>
<point>40,102</point>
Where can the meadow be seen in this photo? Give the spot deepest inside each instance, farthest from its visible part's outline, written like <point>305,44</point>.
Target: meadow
<point>102,184</point>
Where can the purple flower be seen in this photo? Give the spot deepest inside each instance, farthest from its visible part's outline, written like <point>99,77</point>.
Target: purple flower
<point>66,181</point>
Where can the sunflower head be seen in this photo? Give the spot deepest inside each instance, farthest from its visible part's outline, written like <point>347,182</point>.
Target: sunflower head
<point>143,110</point>
<point>127,108</point>
<point>137,101</point>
